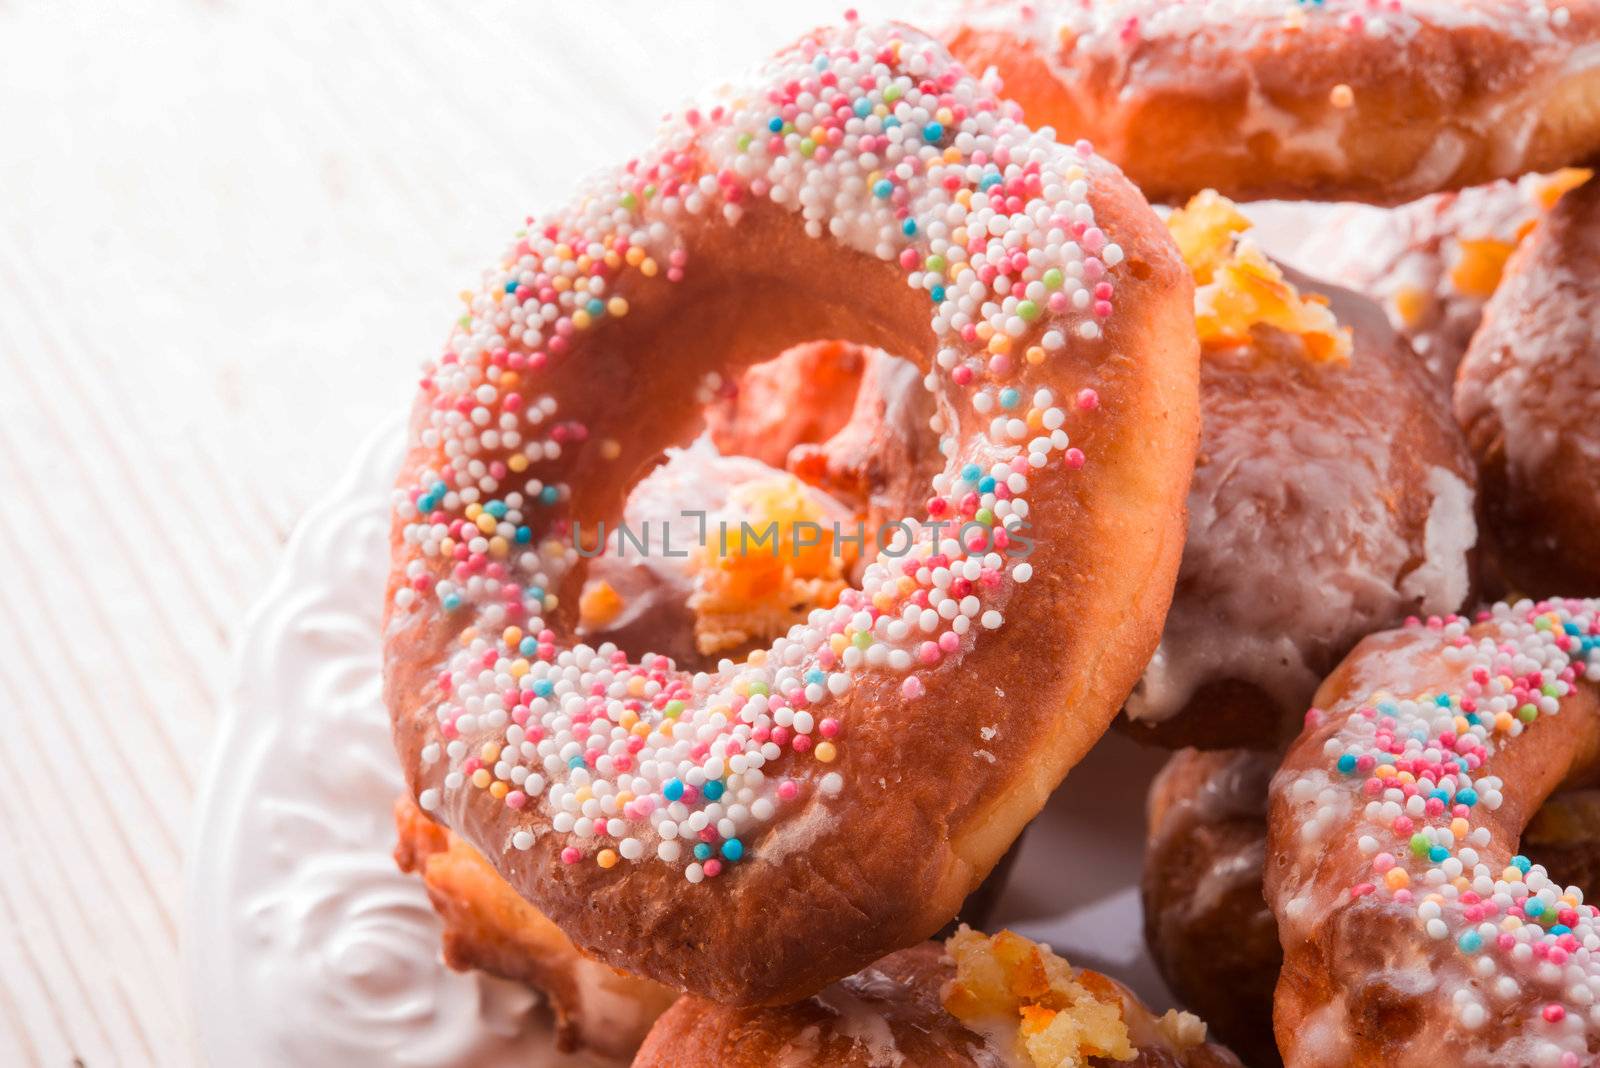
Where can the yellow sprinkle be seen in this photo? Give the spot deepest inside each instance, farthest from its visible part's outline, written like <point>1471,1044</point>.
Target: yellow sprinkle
<point>561,283</point>
<point>498,790</point>
<point>481,778</point>
<point>517,462</point>
<point>610,449</point>
<point>617,306</point>
<point>826,752</point>
<point>613,260</point>
<point>1342,96</point>
<point>1512,875</point>
<point>635,256</point>
<point>486,523</point>
<point>564,251</point>
<point>519,668</point>
<point>649,267</point>
<point>511,636</point>
<point>466,297</point>
<point>490,752</point>
<point>1035,355</point>
<point>474,511</point>
<point>1397,878</point>
<point>1459,827</point>
<point>581,320</point>
<point>583,794</point>
<point>606,858</point>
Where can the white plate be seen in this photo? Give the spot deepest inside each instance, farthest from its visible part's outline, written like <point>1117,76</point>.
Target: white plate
<point>307,947</point>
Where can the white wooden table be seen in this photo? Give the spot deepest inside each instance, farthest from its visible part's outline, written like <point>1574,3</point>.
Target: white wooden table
<point>229,232</point>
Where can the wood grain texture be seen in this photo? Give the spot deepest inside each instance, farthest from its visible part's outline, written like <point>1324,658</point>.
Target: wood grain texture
<point>228,234</point>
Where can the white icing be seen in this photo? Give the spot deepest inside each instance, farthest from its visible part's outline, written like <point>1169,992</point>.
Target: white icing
<point>1441,581</point>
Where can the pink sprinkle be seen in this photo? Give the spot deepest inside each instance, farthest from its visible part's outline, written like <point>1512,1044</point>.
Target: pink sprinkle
<point>713,868</point>
<point>1554,1013</point>
<point>516,799</point>
<point>928,653</point>
<point>829,727</point>
<point>911,688</point>
<point>570,855</point>
<point>1088,400</point>
<point>1075,458</point>
<point>788,790</point>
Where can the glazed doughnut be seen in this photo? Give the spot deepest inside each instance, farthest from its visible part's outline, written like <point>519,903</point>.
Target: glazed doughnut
<point>976,1001</point>
<point>1206,922</point>
<point>1205,914</point>
<point>1528,396</point>
<point>1413,932</point>
<point>752,833</point>
<point>487,926</point>
<point>1333,496</point>
<point>1377,100</point>
<point>1433,263</point>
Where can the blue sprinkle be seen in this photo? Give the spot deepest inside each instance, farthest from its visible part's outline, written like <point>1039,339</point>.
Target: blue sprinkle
<point>1471,942</point>
<point>1347,763</point>
<point>1468,797</point>
<point>1440,795</point>
<point>1443,700</point>
<point>890,123</point>
<point>1438,854</point>
<point>776,124</point>
<point>863,107</point>
<point>971,473</point>
<point>1521,863</point>
<point>702,851</point>
<point>576,762</point>
<point>816,675</point>
<point>496,509</point>
<point>1010,398</point>
<point>596,306</point>
<point>450,601</point>
<point>529,646</point>
<point>937,293</point>
<point>989,181</point>
<point>908,227</point>
<point>511,286</point>
<point>932,132</point>
<point>672,790</point>
<point>821,62</point>
<point>883,188</point>
<point>1560,929</point>
<point>544,688</point>
<point>713,789</point>
<point>987,485</point>
<point>732,849</point>
<point>1533,907</point>
<point>533,593</point>
<point>549,495</point>
<point>524,535</point>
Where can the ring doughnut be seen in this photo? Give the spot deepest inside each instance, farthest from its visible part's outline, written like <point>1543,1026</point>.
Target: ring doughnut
<point>1528,396</point>
<point>1206,918</point>
<point>1333,496</point>
<point>754,832</point>
<point>974,1001</point>
<point>1339,100</point>
<point>1412,931</point>
<point>488,927</point>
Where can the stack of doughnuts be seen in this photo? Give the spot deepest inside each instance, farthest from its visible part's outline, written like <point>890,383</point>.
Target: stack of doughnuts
<point>783,519</point>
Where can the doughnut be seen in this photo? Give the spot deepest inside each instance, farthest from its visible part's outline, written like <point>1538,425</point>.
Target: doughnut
<point>752,832</point>
<point>1206,923</point>
<point>487,926</point>
<point>1382,101</point>
<point>1206,919</point>
<point>974,1001</point>
<point>1432,263</point>
<point>1333,496</point>
<point>1413,930</point>
<point>1528,396</point>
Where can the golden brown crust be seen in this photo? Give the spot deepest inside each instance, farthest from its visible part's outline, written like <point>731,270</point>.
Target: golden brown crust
<point>939,787</point>
<point>1329,499</point>
<point>1528,397</point>
<point>487,926</point>
<point>1262,99</point>
<point>1205,920</point>
<point>890,1013</point>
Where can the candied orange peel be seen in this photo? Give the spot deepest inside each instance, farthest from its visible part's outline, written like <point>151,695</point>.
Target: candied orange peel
<point>1238,288</point>
<point>760,575</point>
<point>1010,987</point>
